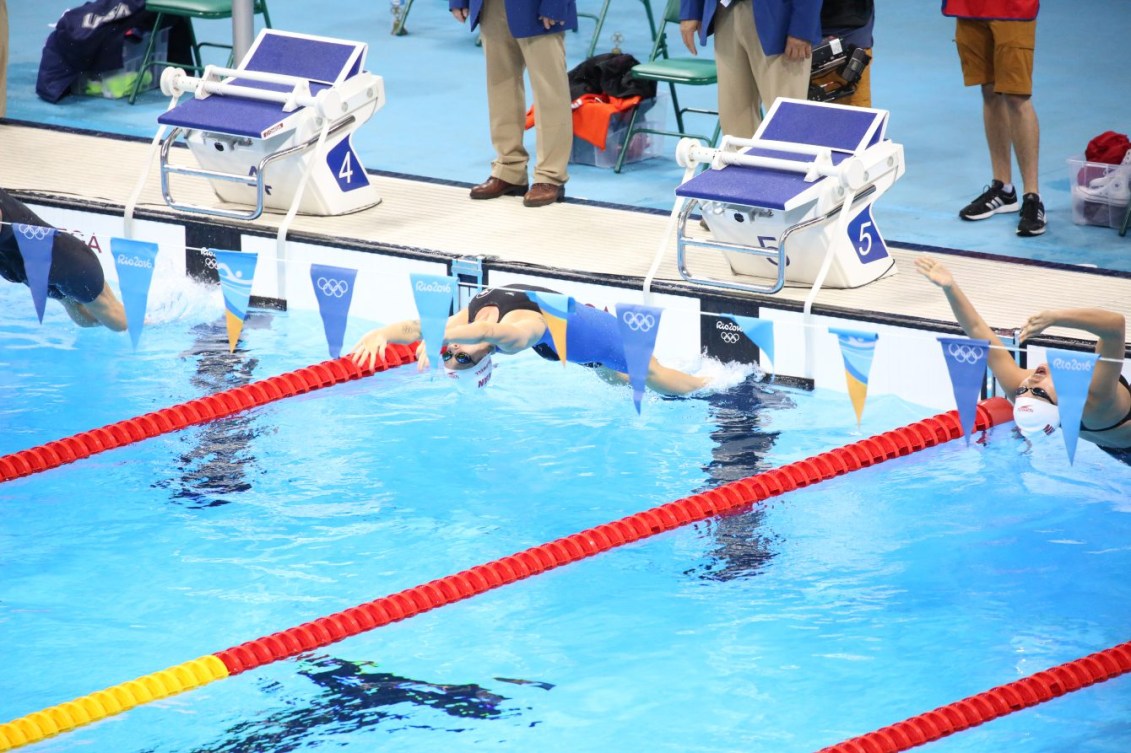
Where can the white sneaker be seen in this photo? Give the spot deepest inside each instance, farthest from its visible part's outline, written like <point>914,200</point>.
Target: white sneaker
<point>1113,188</point>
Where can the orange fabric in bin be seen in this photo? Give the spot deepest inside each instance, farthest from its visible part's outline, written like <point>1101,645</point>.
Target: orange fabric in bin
<point>591,115</point>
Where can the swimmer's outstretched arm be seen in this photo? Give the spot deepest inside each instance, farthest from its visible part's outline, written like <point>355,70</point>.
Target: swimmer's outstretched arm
<point>1001,362</point>
<point>509,337</point>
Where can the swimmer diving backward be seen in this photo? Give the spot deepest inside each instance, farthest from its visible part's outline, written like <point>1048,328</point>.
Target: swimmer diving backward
<point>76,278</point>
<point>1106,421</point>
<point>505,320</point>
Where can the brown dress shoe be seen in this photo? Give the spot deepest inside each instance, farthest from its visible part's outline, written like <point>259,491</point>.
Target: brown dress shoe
<point>541,194</point>
<point>493,188</point>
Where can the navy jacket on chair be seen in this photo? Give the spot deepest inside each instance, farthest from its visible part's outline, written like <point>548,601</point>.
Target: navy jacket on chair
<point>775,19</point>
<point>523,15</point>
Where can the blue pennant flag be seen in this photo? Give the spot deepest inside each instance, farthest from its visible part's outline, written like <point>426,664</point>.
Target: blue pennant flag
<point>237,272</point>
<point>857,348</point>
<point>134,261</point>
<point>435,297</point>
<point>333,287</point>
<point>760,332</point>
<point>35,245</point>
<point>966,362</point>
<point>638,327</point>
<point>1072,376</point>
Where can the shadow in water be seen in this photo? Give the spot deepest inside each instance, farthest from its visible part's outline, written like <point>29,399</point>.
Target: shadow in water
<point>214,467</point>
<point>350,696</point>
<point>741,445</point>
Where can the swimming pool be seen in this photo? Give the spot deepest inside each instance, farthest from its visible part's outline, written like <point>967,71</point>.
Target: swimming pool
<point>819,615</point>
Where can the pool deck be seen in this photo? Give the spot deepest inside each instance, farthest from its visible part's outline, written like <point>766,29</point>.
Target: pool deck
<point>422,220</point>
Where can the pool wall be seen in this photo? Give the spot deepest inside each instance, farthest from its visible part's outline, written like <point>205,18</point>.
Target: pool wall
<point>908,360</point>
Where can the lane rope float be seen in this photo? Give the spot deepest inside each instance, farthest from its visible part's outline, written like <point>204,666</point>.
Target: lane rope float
<point>991,704</point>
<point>201,410</point>
<point>323,631</point>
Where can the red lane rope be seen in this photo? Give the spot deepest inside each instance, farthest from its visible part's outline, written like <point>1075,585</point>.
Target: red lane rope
<point>727,498</point>
<point>481,578</point>
<point>199,411</point>
<point>991,704</point>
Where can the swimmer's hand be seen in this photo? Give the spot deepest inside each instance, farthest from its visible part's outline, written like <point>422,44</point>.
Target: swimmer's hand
<point>934,271</point>
<point>1038,323</point>
<point>422,357</point>
<point>369,349</point>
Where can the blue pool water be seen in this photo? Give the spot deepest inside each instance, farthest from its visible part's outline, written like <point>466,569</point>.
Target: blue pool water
<point>817,616</point>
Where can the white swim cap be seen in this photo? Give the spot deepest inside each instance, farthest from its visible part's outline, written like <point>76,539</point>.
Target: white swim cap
<point>478,375</point>
<point>1034,417</point>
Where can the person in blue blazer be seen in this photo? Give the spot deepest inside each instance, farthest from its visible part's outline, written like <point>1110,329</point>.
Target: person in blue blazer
<point>521,35</point>
<point>763,48</point>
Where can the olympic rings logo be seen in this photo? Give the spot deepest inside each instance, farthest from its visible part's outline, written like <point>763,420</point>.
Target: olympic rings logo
<point>32,232</point>
<point>638,322</point>
<point>730,338</point>
<point>333,287</point>
<point>209,258</point>
<point>965,353</point>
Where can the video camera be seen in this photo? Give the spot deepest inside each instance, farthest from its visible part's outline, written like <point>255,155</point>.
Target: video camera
<point>836,69</point>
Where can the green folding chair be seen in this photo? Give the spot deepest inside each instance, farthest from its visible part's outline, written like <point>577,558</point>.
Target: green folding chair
<point>662,68</point>
<point>188,10</point>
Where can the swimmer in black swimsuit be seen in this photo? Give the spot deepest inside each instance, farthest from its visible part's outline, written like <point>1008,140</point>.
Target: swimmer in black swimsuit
<point>76,279</point>
<point>1108,404</point>
<point>505,320</point>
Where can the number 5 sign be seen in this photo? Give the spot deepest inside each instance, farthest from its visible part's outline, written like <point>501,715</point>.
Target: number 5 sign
<point>865,237</point>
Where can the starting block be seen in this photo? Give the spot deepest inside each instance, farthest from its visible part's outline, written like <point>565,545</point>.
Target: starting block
<point>277,129</point>
<point>793,203</point>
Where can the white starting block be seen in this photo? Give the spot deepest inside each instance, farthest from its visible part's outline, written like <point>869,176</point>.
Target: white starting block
<point>794,203</point>
<point>277,129</point>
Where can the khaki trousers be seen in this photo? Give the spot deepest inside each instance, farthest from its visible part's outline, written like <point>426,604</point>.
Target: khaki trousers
<point>545,59</point>
<point>749,80</point>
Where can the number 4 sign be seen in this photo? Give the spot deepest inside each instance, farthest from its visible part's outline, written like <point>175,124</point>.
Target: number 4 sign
<point>346,168</point>
<point>865,237</point>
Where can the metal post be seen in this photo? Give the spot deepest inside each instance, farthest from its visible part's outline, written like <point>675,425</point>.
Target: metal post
<point>243,26</point>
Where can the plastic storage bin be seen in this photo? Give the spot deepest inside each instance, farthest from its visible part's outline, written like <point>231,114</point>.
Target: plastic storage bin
<point>119,83</point>
<point>644,145</point>
<point>1100,193</point>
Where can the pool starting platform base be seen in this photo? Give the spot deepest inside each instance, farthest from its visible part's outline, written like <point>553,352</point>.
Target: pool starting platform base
<point>793,203</point>
<point>275,132</point>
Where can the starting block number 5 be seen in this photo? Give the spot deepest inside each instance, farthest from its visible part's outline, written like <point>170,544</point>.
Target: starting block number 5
<point>865,237</point>
<point>345,167</point>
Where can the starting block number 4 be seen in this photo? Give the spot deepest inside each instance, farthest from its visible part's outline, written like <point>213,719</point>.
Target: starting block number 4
<point>345,167</point>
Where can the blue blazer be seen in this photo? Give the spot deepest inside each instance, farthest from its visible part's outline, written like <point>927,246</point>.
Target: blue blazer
<point>775,19</point>
<point>522,15</point>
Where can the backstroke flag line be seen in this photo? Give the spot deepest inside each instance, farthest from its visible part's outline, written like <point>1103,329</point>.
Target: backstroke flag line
<point>1071,375</point>
<point>134,261</point>
<point>435,295</point>
<point>857,348</point>
<point>638,327</point>
<point>333,287</point>
<point>760,332</point>
<point>35,245</point>
<point>236,270</point>
<point>556,310</point>
<point>966,362</point>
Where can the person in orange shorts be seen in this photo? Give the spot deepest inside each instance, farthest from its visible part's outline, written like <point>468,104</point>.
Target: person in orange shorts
<point>995,40</point>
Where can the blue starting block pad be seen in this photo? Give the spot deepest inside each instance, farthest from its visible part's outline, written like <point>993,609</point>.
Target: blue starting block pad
<point>277,128</point>
<point>807,179</point>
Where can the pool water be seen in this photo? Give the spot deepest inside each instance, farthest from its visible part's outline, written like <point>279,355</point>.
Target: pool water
<point>817,616</point>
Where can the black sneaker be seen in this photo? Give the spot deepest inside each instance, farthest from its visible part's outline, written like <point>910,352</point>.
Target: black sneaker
<point>1032,216</point>
<point>992,201</point>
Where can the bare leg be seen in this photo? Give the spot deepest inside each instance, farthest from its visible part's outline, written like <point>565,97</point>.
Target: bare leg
<point>995,116</point>
<point>660,379</point>
<point>1025,135</point>
<point>106,310</point>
